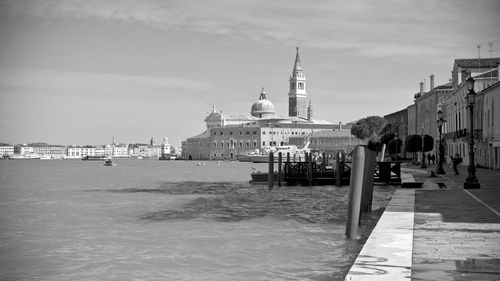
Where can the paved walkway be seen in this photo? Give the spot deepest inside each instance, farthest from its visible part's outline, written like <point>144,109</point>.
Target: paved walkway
<point>456,232</point>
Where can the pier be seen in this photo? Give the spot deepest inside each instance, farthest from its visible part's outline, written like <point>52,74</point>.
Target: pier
<point>324,172</point>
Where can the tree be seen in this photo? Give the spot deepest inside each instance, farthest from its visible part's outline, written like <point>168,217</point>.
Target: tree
<point>369,127</point>
<point>413,143</point>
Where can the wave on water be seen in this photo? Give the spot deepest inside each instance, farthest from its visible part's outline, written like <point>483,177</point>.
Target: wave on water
<point>233,203</point>
<point>184,188</point>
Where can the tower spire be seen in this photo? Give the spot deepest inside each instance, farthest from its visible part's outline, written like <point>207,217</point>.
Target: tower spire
<point>297,95</point>
<point>297,66</point>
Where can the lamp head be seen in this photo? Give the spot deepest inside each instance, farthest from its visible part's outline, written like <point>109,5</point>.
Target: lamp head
<point>470,83</point>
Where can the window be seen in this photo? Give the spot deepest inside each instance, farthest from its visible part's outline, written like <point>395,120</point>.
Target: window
<point>215,133</point>
<point>247,132</point>
<point>221,133</point>
<point>248,144</point>
<point>254,144</point>
<point>263,143</point>
<point>241,144</point>
<point>241,133</point>
<point>230,133</point>
<point>222,144</point>
<point>254,132</point>
<point>215,144</point>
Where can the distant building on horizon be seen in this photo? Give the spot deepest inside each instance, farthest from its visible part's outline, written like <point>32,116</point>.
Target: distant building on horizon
<point>227,136</point>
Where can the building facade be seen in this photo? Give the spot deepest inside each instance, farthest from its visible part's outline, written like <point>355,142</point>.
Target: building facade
<point>227,136</point>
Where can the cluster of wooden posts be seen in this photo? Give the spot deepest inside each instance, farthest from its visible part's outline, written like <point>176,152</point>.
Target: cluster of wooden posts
<point>309,172</point>
<point>360,174</point>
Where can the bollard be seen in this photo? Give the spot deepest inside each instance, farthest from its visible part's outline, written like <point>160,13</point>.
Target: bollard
<point>338,165</point>
<point>368,172</point>
<point>355,192</point>
<point>271,170</point>
<point>309,169</point>
<point>279,168</point>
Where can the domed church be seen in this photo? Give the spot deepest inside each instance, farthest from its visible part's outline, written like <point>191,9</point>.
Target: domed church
<point>229,135</point>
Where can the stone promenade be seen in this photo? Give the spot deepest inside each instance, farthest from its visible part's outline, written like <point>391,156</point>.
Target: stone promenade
<point>455,233</point>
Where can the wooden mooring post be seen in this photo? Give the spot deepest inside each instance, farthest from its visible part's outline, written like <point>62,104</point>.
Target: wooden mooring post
<point>367,197</point>
<point>355,192</point>
<point>271,170</point>
<point>338,170</point>
<point>280,176</point>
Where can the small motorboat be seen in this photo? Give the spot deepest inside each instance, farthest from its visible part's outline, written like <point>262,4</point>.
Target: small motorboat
<point>109,163</point>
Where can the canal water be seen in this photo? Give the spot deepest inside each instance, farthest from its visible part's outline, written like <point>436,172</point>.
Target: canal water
<point>169,220</point>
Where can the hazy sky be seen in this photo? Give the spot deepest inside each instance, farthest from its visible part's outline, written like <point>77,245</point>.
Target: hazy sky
<point>81,72</point>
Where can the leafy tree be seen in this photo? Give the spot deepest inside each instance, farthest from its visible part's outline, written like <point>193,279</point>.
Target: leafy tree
<point>369,127</point>
<point>414,143</point>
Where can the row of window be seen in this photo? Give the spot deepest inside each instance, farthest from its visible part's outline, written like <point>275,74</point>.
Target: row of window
<point>231,133</point>
<point>232,144</point>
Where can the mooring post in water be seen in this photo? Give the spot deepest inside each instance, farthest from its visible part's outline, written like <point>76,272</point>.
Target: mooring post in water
<point>280,177</point>
<point>310,170</point>
<point>355,193</point>
<point>368,172</point>
<point>271,170</point>
<point>338,164</point>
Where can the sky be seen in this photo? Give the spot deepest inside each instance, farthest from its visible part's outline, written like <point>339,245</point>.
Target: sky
<point>87,71</point>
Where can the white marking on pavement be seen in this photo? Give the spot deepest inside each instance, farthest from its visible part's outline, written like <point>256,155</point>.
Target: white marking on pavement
<point>484,204</point>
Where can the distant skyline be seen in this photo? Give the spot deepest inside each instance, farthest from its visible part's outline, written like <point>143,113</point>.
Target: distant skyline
<point>81,72</point>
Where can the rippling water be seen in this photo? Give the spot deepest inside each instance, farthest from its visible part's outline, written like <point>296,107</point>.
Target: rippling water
<point>161,220</point>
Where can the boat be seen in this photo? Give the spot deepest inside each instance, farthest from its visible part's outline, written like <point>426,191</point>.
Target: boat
<point>109,163</point>
<point>259,177</point>
<point>94,158</point>
<point>46,157</point>
<point>263,157</point>
<point>30,156</point>
<point>140,157</point>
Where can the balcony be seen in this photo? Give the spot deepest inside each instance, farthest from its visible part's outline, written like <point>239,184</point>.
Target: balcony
<point>478,133</point>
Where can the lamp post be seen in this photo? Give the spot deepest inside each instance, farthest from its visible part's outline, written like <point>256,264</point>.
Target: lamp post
<point>423,166</point>
<point>440,123</point>
<point>471,182</point>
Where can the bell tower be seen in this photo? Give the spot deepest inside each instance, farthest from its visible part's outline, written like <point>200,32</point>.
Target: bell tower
<point>297,96</point>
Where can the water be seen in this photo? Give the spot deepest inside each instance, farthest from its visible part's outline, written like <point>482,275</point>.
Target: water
<point>169,220</point>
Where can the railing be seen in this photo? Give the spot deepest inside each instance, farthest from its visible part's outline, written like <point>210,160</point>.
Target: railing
<point>462,133</point>
<point>320,174</point>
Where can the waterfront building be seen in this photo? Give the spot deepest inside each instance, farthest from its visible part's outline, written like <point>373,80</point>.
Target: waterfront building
<point>229,135</point>
<point>23,149</point>
<point>457,114</point>
<point>487,121</point>
<point>49,150</point>
<point>6,150</point>
<point>120,151</point>
<point>426,104</point>
<point>398,124</point>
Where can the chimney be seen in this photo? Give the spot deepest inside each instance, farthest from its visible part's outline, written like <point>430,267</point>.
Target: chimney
<point>432,81</point>
<point>421,88</point>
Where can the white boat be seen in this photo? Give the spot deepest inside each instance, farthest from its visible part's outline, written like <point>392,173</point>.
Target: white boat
<point>263,157</point>
<point>30,156</point>
<point>45,157</point>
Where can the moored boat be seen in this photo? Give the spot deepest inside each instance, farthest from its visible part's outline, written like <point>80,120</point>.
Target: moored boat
<point>31,156</point>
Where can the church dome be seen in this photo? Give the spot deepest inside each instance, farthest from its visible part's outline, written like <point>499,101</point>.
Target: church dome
<point>263,107</point>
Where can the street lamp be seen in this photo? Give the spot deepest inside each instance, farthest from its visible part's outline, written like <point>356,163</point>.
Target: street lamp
<point>423,166</point>
<point>471,182</point>
<point>440,123</point>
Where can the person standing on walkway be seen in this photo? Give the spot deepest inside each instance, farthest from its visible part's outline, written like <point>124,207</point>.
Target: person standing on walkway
<point>456,160</point>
